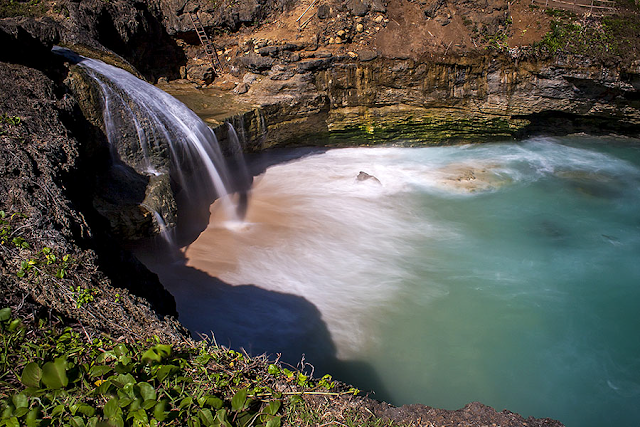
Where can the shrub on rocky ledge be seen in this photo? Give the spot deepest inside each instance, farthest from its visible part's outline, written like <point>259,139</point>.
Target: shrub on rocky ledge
<point>63,376</point>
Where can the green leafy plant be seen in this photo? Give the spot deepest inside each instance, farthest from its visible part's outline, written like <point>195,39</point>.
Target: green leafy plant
<point>82,295</point>
<point>10,120</point>
<point>33,263</point>
<point>64,381</point>
<point>605,39</point>
<point>22,8</point>
<point>60,377</point>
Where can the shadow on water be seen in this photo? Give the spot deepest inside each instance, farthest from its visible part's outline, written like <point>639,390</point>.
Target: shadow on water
<point>255,320</point>
<point>248,317</point>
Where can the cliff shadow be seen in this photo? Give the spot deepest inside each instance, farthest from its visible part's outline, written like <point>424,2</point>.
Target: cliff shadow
<point>245,317</point>
<point>149,47</point>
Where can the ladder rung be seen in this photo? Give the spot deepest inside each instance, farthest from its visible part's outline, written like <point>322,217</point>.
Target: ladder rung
<point>206,42</point>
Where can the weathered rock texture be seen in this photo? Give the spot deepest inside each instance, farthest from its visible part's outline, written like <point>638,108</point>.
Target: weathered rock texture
<point>50,162</point>
<point>460,99</point>
<point>127,195</point>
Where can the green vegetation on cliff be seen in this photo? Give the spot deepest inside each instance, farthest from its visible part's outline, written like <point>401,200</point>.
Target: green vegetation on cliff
<point>607,38</point>
<point>61,376</point>
<point>22,8</point>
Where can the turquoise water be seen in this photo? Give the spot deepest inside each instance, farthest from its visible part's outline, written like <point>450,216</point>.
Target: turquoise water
<point>503,273</point>
<point>538,292</point>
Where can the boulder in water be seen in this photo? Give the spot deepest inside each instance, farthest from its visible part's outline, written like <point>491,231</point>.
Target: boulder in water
<point>363,176</point>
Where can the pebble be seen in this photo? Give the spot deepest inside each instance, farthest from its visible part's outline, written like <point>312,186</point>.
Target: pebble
<point>359,28</point>
<point>379,19</point>
<point>340,33</point>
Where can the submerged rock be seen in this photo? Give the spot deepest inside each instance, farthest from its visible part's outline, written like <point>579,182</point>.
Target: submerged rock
<point>363,176</point>
<point>468,179</point>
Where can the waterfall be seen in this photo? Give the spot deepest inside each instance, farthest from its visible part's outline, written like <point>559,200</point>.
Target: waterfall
<point>167,234</point>
<point>243,178</point>
<point>156,134</point>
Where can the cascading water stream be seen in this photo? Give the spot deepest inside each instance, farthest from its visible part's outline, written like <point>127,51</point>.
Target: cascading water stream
<point>243,177</point>
<point>170,137</point>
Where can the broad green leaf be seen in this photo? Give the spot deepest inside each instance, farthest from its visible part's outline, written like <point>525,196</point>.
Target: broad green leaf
<point>32,417</point>
<point>244,419</point>
<point>273,369</point>
<point>238,400</point>
<point>124,401</point>
<point>302,378</point>
<point>5,314</point>
<point>99,370</point>
<point>57,410</point>
<point>274,422</point>
<point>14,325</point>
<point>106,356</point>
<point>76,422</point>
<point>122,380</point>
<point>159,410</point>
<point>20,401</point>
<point>147,391</point>
<point>203,359</point>
<point>186,402</point>
<point>202,400</point>
<point>150,356</point>
<point>112,409</point>
<point>117,421</point>
<point>141,416</point>
<point>21,412</point>
<point>120,350</point>
<point>163,350</point>
<point>166,370</point>
<point>11,422</point>
<point>31,375</point>
<point>124,365</point>
<point>214,402</point>
<point>148,404</point>
<point>104,387</point>
<point>272,407</point>
<point>206,416</point>
<point>54,374</point>
<point>296,398</point>
<point>221,416</point>
<point>87,410</point>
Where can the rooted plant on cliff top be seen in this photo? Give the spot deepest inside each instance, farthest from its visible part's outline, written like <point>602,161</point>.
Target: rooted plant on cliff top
<point>61,377</point>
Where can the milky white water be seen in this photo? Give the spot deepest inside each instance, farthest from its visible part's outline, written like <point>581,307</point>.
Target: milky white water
<point>503,273</point>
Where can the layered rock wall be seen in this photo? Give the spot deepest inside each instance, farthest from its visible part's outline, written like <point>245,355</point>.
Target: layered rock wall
<point>459,99</point>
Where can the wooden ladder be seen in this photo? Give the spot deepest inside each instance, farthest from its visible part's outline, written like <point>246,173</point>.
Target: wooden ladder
<point>206,42</point>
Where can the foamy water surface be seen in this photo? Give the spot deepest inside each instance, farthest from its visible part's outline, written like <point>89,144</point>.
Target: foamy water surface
<point>505,273</point>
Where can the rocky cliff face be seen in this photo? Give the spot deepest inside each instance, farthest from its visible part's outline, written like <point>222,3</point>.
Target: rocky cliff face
<point>441,101</point>
<point>56,250</point>
<point>354,69</point>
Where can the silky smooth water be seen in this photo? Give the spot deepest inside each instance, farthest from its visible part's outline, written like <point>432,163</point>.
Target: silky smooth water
<point>503,273</point>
